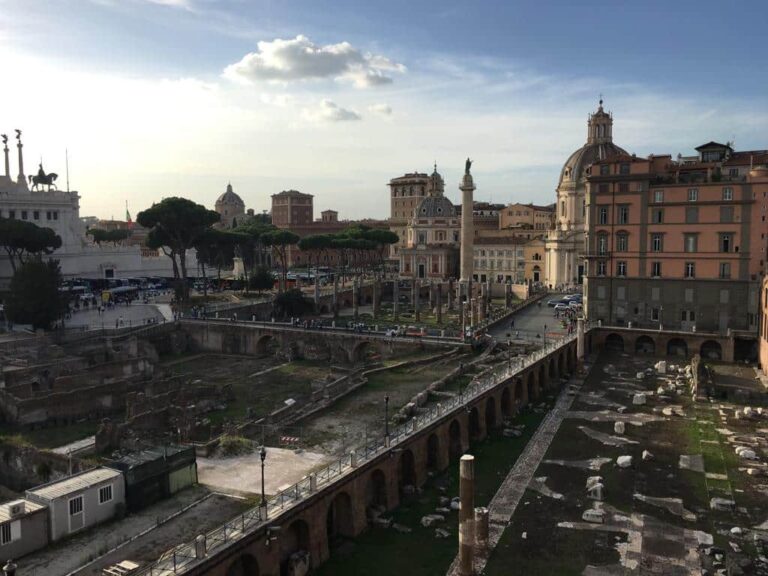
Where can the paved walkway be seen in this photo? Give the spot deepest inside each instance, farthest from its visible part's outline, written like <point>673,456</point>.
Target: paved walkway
<point>507,497</point>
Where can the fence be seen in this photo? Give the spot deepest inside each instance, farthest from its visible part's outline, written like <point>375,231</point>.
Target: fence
<point>182,556</point>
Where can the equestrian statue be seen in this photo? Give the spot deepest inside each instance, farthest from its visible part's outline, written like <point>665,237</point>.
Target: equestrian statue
<point>43,179</point>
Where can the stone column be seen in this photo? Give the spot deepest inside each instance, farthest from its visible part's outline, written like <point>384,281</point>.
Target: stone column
<point>474,311</point>
<point>376,297</point>
<point>317,292</point>
<point>439,307</point>
<point>7,162</point>
<point>507,295</point>
<point>467,227</point>
<point>416,300</point>
<point>22,179</point>
<point>450,294</point>
<point>580,349</point>
<point>467,515</point>
<point>335,301</point>
<point>396,299</point>
<point>355,298</point>
<point>431,295</point>
<point>462,319</point>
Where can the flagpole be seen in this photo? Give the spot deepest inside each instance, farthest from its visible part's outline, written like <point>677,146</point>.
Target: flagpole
<point>66,158</point>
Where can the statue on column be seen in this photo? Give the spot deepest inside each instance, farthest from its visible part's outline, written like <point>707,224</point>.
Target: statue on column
<point>467,166</point>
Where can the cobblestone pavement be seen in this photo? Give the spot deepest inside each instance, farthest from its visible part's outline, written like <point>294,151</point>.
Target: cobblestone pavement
<point>506,499</point>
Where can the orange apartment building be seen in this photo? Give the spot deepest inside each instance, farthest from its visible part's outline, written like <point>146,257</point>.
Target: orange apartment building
<point>678,244</point>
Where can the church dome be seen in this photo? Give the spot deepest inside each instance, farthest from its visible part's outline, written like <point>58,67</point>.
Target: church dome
<point>230,197</point>
<point>435,207</point>
<point>599,146</point>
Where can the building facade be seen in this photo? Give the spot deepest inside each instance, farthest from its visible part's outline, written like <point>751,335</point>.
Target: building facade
<point>524,217</point>
<point>23,528</point>
<point>432,242</point>
<point>231,209</point>
<point>566,243</point>
<point>291,208</point>
<point>500,260</point>
<point>677,244</point>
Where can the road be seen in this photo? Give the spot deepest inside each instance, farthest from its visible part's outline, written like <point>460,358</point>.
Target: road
<point>531,323</point>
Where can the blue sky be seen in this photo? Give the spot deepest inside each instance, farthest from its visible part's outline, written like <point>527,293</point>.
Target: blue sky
<point>161,97</point>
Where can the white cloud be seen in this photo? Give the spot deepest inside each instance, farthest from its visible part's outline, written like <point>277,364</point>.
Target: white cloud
<point>381,109</point>
<point>300,59</point>
<point>328,111</point>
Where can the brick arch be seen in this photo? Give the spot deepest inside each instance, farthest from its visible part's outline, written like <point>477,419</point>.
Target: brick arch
<point>553,374</point>
<point>491,414</point>
<point>455,442</point>
<point>506,402</point>
<point>244,565</point>
<point>376,493</point>
<point>265,344</point>
<point>406,470</point>
<point>644,344</point>
<point>520,392</point>
<point>711,350</point>
<point>542,377</point>
<point>339,519</point>
<point>434,460</point>
<point>475,426</point>
<point>294,538</point>
<point>677,347</point>
<point>530,387</point>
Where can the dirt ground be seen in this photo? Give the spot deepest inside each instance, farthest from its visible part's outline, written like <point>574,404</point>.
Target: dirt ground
<point>242,474</point>
<point>360,414</point>
<point>657,514</point>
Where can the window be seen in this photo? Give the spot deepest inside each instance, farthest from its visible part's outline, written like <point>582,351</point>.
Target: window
<point>5,533</point>
<point>693,194</point>
<point>725,270</point>
<point>657,216</point>
<point>726,242</point>
<point>655,293</point>
<point>36,215</point>
<point>621,268</point>
<point>562,208</point>
<point>725,296</point>
<point>624,169</point>
<point>690,242</point>
<point>602,188</point>
<point>691,215</point>
<point>622,242</point>
<point>658,196</point>
<point>623,214</point>
<point>23,214</point>
<point>733,172</point>
<point>105,492</point>
<point>11,213</point>
<point>688,316</point>
<point>601,268</point>
<point>690,270</point>
<point>624,187</point>
<point>602,244</point>
<point>657,242</point>
<point>656,269</point>
<point>55,215</point>
<point>602,215</point>
<point>605,170</point>
<point>655,314</point>
<point>76,506</point>
<point>726,213</point>
<point>727,193</point>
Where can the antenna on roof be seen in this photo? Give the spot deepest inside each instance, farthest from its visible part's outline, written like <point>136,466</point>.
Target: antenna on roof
<point>66,161</point>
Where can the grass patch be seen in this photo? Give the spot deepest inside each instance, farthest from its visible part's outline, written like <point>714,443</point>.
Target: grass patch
<point>52,437</point>
<point>383,552</point>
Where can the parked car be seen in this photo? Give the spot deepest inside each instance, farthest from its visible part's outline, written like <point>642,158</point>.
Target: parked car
<point>554,302</point>
<point>561,306</point>
<point>572,297</point>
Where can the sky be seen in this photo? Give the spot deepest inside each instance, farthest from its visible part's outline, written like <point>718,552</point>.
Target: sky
<point>157,98</point>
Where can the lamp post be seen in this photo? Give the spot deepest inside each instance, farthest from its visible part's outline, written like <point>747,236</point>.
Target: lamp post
<point>386,419</point>
<point>263,455</point>
<point>545,334</point>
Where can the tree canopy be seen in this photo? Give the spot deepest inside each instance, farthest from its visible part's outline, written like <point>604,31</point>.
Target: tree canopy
<point>177,224</point>
<point>114,236</point>
<point>34,296</point>
<point>20,238</point>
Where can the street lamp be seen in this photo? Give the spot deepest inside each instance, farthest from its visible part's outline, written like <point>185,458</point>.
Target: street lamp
<point>545,333</point>
<point>263,455</point>
<point>386,418</point>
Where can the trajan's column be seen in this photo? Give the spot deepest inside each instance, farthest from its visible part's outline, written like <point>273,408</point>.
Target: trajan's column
<point>467,230</point>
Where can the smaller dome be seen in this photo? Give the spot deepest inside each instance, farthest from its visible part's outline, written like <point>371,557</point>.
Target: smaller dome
<point>435,207</point>
<point>230,197</point>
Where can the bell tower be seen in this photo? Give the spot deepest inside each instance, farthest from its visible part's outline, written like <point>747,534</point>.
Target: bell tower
<point>600,126</point>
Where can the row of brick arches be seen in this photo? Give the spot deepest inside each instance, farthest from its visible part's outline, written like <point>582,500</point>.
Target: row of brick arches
<point>346,509</point>
<point>644,344</point>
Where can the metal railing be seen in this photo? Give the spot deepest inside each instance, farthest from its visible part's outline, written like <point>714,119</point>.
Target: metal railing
<point>176,560</point>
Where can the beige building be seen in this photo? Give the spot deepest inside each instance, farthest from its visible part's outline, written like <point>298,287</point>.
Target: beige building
<point>499,260</point>
<point>406,193</point>
<point>566,243</point>
<point>527,217</point>
<point>534,251</point>
<point>231,209</point>
<point>431,248</point>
